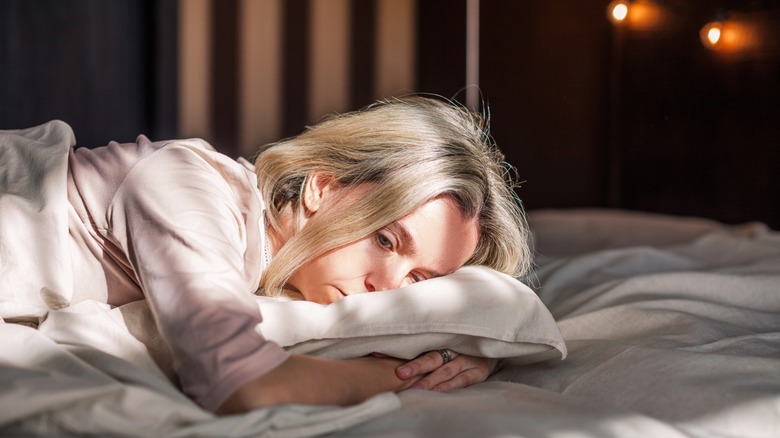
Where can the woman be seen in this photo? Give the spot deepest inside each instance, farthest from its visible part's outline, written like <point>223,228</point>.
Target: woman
<point>402,191</point>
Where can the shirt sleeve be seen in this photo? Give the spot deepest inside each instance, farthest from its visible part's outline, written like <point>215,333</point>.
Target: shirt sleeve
<point>184,232</point>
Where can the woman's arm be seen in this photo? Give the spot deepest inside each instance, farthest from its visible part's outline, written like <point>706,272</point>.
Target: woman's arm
<point>187,222</point>
<point>312,380</point>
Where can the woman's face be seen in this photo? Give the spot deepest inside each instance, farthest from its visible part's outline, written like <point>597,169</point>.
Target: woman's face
<point>432,241</point>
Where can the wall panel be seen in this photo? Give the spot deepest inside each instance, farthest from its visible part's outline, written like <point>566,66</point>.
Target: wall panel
<point>103,67</point>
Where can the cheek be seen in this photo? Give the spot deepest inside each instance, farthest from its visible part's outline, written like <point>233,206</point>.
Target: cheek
<point>347,262</point>
<point>359,256</point>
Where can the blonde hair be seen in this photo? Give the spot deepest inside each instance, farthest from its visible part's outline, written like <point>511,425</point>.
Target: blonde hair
<point>411,150</point>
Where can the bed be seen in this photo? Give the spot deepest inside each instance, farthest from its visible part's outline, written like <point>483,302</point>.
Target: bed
<point>633,324</point>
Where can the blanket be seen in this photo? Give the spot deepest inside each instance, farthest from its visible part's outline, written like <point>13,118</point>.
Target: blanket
<point>679,339</point>
<point>671,328</point>
<point>67,364</point>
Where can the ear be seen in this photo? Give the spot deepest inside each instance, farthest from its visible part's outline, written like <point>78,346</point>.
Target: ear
<point>318,187</point>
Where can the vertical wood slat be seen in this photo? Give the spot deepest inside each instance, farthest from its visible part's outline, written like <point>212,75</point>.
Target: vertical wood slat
<point>363,27</point>
<point>472,55</point>
<point>224,84</point>
<point>329,73</point>
<point>396,47</point>
<point>260,93</point>
<point>441,62</point>
<point>194,60</point>
<point>283,64</point>
<point>163,111</point>
<point>295,65</point>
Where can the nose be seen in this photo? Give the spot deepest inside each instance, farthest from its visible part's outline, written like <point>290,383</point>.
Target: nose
<point>386,277</point>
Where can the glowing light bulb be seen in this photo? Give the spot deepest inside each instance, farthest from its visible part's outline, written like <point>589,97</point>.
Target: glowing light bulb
<point>617,11</point>
<point>620,11</point>
<point>713,35</point>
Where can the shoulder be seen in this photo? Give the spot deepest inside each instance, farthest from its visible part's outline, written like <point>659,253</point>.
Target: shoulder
<point>172,163</point>
<point>188,178</point>
<point>196,155</point>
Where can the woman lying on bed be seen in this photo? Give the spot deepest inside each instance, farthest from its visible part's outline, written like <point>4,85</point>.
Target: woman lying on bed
<point>400,192</point>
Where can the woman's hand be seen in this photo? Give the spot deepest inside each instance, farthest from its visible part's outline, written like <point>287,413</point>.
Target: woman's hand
<point>460,372</point>
<point>312,380</point>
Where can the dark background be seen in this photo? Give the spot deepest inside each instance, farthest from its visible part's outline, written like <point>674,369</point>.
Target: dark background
<point>590,114</point>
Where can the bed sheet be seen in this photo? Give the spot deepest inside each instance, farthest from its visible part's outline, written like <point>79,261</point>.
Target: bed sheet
<point>672,327</point>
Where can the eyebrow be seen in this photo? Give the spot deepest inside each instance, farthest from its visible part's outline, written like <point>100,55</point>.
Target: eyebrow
<point>411,244</point>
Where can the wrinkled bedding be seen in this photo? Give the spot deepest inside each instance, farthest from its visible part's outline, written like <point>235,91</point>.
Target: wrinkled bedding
<point>678,339</point>
<point>64,355</point>
<point>671,325</point>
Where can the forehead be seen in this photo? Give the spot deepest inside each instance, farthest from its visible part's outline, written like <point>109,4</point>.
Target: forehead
<point>443,240</point>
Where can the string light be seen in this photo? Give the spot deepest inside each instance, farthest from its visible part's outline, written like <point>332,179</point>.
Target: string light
<point>642,15</point>
<point>711,34</point>
<point>735,33</point>
<point>742,33</point>
<point>617,11</point>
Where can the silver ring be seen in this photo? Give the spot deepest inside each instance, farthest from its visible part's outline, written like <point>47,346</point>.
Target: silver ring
<point>446,355</point>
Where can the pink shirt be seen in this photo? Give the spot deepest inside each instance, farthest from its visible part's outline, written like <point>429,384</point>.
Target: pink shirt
<point>181,225</point>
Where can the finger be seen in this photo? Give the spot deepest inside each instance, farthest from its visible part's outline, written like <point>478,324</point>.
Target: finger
<point>461,372</point>
<point>423,364</point>
<point>461,380</point>
<point>439,376</point>
<point>476,370</point>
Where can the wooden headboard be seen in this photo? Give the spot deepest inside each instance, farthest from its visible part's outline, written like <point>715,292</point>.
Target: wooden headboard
<point>591,115</point>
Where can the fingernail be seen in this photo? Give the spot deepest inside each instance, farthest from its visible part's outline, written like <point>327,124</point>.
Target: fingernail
<point>404,372</point>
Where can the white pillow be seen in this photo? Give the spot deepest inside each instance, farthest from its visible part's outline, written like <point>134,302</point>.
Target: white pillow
<point>476,311</point>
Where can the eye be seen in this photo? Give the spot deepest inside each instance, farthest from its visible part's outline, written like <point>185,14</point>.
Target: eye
<point>416,277</point>
<point>384,241</point>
